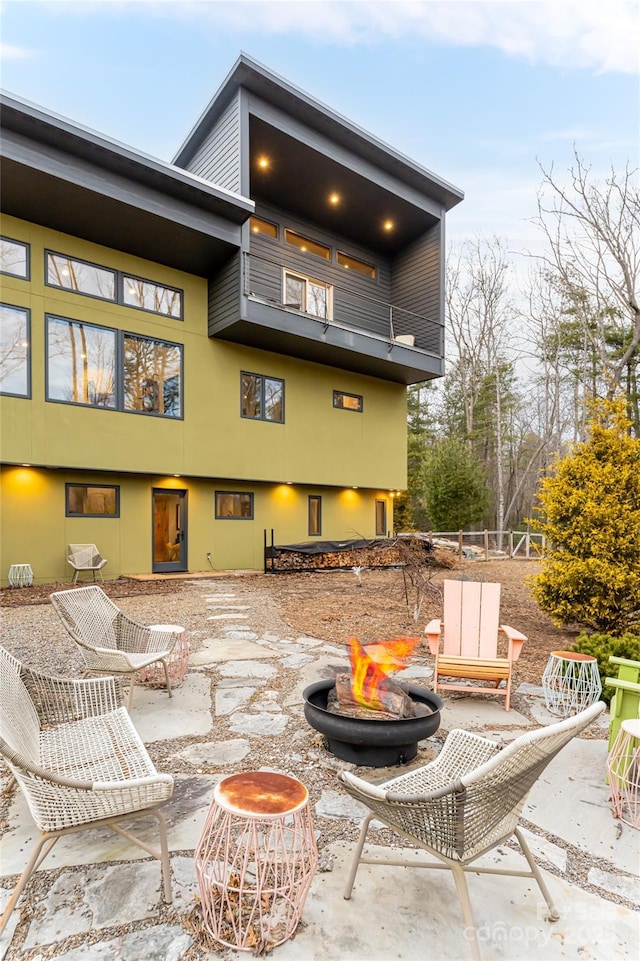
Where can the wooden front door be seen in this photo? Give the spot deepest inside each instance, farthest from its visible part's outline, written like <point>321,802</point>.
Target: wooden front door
<point>169,530</point>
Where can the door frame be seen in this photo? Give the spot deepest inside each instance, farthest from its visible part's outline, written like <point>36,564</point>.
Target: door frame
<point>180,565</point>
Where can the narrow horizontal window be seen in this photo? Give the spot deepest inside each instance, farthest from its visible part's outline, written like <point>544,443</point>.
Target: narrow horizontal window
<point>309,295</point>
<point>15,338</point>
<point>156,298</point>
<point>231,505</point>
<point>347,401</point>
<point>81,276</point>
<point>152,376</point>
<point>262,398</point>
<point>81,363</point>
<point>315,514</point>
<point>84,500</point>
<point>307,246</point>
<point>259,226</point>
<point>350,263</point>
<point>14,258</point>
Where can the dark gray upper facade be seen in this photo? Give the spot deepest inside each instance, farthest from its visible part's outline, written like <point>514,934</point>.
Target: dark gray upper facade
<point>388,324</point>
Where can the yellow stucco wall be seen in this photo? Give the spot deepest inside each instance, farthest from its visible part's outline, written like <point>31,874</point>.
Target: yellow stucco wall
<point>317,444</point>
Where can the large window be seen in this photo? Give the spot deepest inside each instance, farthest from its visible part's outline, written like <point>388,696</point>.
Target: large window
<point>306,245</point>
<point>14,258</point>
<point>347,401</point>
<point>315,514</point>
<point>231,505</point>
<point>262,397</point>
<point>14,351</point>
<point>309,295</point>
<point>81,276</point>
<point>84,500</point>
<point>100,367</point>
<point>381,518</point>
<point>152,376</point>
<point>81,363</point>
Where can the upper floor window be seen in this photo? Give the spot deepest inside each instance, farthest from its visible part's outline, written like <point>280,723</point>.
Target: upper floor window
<point>156,298</point>
<point>350,263</point>
<point>262,397</point>
<point>347,401</point>
<point>306,245</point>
<point>80,276</point>
<point>101,367</point>
<point>259,226</point>
<point>309,295</point>
<point>14,258</point>
<point>14,351</point>
<point>83,277</point>
<point>84,500</point>
<point>234,506</point>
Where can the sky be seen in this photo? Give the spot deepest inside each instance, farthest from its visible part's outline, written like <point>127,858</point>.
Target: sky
<point>480,93</point>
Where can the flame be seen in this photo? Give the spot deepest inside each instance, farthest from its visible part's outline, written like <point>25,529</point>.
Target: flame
<point>372,663</point>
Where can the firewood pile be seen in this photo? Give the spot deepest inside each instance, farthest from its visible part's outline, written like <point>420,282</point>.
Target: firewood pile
<point>356,555</point>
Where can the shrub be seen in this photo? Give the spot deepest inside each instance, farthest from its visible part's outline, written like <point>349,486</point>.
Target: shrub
<point>602,646</point>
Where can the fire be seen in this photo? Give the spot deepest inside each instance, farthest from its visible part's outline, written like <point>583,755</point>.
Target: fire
<point>371,664</point>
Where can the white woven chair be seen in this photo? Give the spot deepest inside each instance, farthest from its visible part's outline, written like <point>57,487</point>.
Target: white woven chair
<point>465,803</point>
<point>110,642</point>
<point>85,557</point>
<point>75,753</point>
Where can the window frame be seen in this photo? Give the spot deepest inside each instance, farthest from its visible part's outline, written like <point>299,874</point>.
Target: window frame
<point>89,263</point>
<point>357,260</point>
<point>269,223</point>
<point>343,393</point>
<point>69,513</point>
<point>262,378</point>
<point>120,393</point>
<point>124,275</point>
<point>27,247</point>
<point>317,499</point>
<point>296,275</point>
<point>309,240</point>
<point>381,502</point>
<point>233,517</point>
<point>27,312</point>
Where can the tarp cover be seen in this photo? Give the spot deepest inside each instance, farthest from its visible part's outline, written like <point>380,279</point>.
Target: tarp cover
<point>328,547</point>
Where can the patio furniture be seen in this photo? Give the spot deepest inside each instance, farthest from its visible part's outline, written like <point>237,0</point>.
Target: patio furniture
<point>20,575</point>
<point>77,757</point>
<point>470,630</point>
<point>255,859</point>
<point>623,773</point>
<point>109,641</point>
<point>177,662</point>
<point>465,803</point>
<point>85,557</point>
<point>625,703</point>
<point>571,682</point>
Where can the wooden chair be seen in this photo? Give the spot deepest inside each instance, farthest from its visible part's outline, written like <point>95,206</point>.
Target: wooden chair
<point>80,762</point>
<point>109,641</point>
<point>85,557</point>
<point>470,630</point>
<point>463,805</point>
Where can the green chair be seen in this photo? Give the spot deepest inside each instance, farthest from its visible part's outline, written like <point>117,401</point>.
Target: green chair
<point>625,703</point>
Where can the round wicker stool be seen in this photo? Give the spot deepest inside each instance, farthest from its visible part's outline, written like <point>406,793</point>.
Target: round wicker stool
<point>177,662</point>
<point>571,682</point>
<point>623,773</point>
<point>255,860</point>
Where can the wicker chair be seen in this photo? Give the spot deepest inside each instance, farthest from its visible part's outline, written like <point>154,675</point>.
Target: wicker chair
<point>85,557</point>
<point>75,753</point>
<point>110,642</point>
<point>465,803</point>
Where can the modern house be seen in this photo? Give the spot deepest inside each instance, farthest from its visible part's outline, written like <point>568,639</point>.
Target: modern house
<point>196,352</point>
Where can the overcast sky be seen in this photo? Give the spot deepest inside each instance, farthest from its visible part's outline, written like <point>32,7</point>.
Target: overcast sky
<point>477,92</point>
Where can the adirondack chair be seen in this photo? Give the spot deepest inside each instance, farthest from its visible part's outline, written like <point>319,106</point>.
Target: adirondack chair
<point>469,631</point>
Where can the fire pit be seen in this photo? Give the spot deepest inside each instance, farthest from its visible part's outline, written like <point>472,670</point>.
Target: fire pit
<point>375,743</point>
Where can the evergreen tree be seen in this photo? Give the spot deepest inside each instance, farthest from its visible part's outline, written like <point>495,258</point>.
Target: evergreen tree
<point>454,485</point>
<point>590,513</point>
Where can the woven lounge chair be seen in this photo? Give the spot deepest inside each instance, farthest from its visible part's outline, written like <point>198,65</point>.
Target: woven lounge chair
<point>85,557</point>
<point>110,642</point>
<point>465,803</point>
<point>77,757</point>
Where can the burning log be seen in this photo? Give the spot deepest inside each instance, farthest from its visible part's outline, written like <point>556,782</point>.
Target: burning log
<point>395,702</point>
<point>369,688</point>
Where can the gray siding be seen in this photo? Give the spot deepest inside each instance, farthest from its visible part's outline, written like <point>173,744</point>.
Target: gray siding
<point>358,301</point>
<point>224,295</point>
<point>218,157</point>
<point>416,287</point>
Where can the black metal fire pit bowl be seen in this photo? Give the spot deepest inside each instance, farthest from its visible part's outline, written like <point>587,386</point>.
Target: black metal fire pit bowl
<point>372,743</point>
